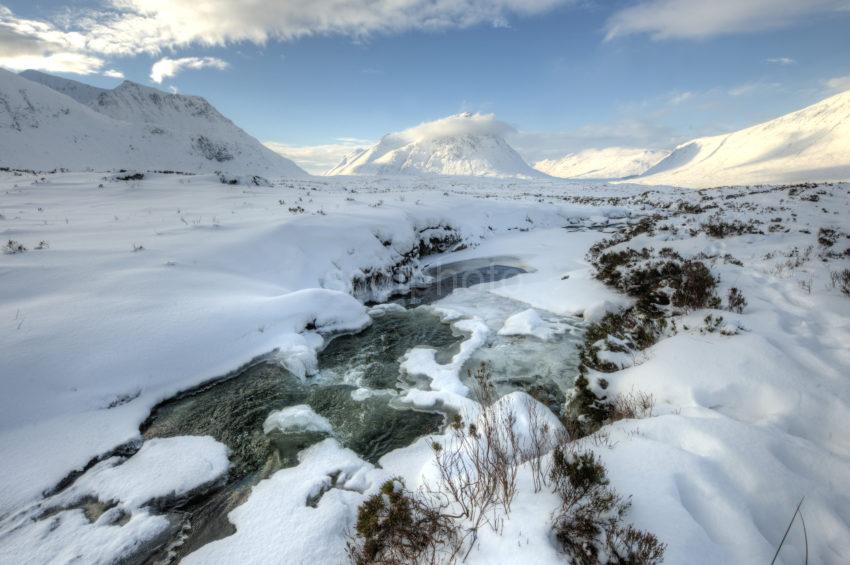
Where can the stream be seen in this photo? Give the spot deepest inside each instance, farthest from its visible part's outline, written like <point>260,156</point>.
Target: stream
<point>356,390</point>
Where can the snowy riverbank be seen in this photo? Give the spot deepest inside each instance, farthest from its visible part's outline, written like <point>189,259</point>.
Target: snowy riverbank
<point>146,288</point>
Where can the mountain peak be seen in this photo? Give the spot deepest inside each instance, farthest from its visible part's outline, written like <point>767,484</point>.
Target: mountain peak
<point>462,144</point>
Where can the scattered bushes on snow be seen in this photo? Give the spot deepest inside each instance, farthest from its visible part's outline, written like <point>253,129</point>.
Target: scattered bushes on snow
<point>130,176</point>
<point>396,527</point>
<point>719,228</point>
<point>12,247</point>
<point>589,526</point>
<point>651,277</point>
<point>478,466</point>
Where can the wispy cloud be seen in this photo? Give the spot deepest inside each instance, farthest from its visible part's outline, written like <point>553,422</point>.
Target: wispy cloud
<point>698,19</point>
<point>838,84</point>
<point>751,87</point>
<point>113,73</point>
<point>318,159</point>
<point>678,97</point>
<point>167,68</point>
<point>784,61</point>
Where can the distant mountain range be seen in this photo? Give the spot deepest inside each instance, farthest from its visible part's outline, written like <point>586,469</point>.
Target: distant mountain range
<point>608,163</point>
<point>812,144</point>
<point>48,122</point>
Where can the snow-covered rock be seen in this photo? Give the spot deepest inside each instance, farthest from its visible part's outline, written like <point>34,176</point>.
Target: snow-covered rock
<point>464,144</point>
<point>48,122</point>
<point>812,144</point>
<point>529,322</point>
<point>607,163</point>
<point>300,418</point>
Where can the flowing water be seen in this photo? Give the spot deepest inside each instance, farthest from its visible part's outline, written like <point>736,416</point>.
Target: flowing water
<point>355,390</point>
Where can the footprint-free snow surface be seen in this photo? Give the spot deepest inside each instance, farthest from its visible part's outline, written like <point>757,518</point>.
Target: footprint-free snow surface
<point>226,378</point>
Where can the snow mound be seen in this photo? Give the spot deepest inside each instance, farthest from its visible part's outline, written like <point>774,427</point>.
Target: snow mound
<point>300,418</point>
<point>163,467</point>
<point>276,516</point>
<point>48,122</point>
<point>607,163</point>
<point>103,516</point>
<point>812,144</point>
<point>529,322</point>
<point>465,144</point>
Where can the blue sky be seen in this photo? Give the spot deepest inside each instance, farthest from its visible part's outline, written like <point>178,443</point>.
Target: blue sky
<point>322,77</point>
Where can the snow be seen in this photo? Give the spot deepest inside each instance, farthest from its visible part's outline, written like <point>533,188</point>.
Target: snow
<point>420,361</point>
<point>607,163</point>
<point>162,468</point>
<point>276,522</point>
<point>95,334</point>
<point>221,280</point>
<point>464,144</point>
<point>48,122</point>
<point>297,418</point>
<point>529,322</point>
<point>812,144</point>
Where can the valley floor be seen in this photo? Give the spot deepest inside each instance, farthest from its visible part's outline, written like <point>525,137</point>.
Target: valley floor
<point>130,291</point>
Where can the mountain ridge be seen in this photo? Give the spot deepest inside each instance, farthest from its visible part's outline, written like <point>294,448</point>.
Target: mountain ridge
<point>808,145</point>
<point>52,122</point>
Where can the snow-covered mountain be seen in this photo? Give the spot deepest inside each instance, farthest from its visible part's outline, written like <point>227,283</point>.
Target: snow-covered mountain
<point>608,163</point>
<point>48,122</point>
<point>464,144</point>
<point>812,144</point>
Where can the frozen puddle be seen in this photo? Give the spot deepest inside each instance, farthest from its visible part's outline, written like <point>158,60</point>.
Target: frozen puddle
<point>375,391</point>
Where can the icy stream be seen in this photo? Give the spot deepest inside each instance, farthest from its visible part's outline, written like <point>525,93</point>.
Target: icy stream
<point>356,395</point>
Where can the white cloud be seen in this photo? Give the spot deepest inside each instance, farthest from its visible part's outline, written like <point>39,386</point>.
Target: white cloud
<point>32,44</point>
<point>466,123</point>
<point>151,25</point>
<point>838,84</point>
<point>678,97</point>
<point>698,19</point>
<point>626,132</point>
<point>113,73</point>
<point>784,61</point>
<point>79,40</point>
<point>318,159</point>
<point>167,67</point>
<point>751,87</point>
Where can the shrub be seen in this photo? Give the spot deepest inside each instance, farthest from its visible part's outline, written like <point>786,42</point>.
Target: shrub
<point>588,526</point>
<point>130,176</point>
<point>694,287</point>
<point>479,463</point>
<point>397,527</point>
<point>635,404</point>
<point>841,279</point>
<point>736,301</point>
<point>719,228</point>
<point>12,247</point>
<point>827,237</point>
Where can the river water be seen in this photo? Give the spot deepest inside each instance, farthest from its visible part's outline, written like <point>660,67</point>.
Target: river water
<point>356,390</point>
